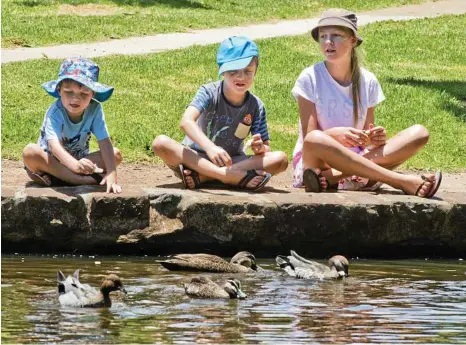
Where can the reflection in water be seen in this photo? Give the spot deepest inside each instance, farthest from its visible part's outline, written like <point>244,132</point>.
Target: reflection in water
<point>389,302</point>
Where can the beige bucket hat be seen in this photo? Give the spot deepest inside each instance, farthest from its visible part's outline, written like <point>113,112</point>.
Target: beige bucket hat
<point>337,17</point>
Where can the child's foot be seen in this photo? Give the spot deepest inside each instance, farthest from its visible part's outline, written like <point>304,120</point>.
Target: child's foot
<point>424,186</point>
<point>39,177</point>
<point>253,180</point>
<point>314,181</point>
<point>191,178</point>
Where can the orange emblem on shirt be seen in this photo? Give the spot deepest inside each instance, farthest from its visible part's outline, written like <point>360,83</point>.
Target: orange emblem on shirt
<point>247,119</point>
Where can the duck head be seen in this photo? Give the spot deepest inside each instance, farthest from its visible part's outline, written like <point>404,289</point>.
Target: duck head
<point>341,265</point>
<point>233,287</point>
<point>65,283</point>
<point>112,283</point>
<point>245,259</point>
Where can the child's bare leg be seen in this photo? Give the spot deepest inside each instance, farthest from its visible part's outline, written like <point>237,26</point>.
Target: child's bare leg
<point>39,161</point>
<point>319,146</point>
<point>271,162</point>
<point>400,148</point>
<point>174,154</point>
<point>96,158</point>
<point>396,151</point>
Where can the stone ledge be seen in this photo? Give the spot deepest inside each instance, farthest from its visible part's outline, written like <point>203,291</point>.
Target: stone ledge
<point>162,221</point>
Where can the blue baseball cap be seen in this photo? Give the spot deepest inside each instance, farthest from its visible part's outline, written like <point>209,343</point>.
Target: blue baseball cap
<point>235,53</point>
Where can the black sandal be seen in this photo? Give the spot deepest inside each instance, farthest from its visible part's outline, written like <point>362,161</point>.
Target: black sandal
<point>249,176</point>
<point>194,175</point>
<point>312,181</point>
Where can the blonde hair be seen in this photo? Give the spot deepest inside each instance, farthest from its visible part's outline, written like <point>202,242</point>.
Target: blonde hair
<point>355,83</point>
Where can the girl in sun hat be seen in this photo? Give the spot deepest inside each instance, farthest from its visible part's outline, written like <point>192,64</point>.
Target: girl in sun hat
<point>62,155</point>
<point>339,144</point>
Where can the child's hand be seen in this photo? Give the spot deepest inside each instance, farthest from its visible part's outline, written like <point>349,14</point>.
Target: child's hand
<point>350,137</point>
<point>257,145</point>
<point>84,166</point>
<point>111,181</point>
<point>219,156</point>
<point>377,135</point>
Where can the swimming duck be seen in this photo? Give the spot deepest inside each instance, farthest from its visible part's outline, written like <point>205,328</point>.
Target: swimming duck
<point>203,287</point>
<point>299,267</point>
<point>66,284</point>
<point>76,294</point>
<point>242,262</point>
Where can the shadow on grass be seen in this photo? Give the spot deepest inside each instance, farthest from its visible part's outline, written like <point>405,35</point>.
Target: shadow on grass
<point>456,89</point>
<point>142,3</point>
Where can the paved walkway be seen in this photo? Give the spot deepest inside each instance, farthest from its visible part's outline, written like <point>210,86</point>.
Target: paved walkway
<point>164,42</point>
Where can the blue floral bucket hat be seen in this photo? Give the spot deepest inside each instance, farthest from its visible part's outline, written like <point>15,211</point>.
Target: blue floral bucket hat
<point>83,71</point>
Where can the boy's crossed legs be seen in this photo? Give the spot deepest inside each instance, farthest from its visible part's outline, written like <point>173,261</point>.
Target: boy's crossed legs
<point>173,154</point>
<point>40,164</point>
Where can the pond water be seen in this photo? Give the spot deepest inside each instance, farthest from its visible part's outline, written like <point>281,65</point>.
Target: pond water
<point>381,302</point>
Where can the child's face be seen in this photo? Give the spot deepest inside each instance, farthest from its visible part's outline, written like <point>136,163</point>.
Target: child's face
<point>336,43</point>
<point>241,80</point>
<point>75,97</point>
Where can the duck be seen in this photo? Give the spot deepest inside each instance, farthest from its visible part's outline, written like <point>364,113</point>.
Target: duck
<point>242,262</point>
<point>299,267</point>
<point>75,294</point>
<point>203,287</point>
<point>66,284</point>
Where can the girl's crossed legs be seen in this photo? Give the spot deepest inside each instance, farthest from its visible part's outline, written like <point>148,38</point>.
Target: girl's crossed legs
<point>173,154</point>
<point>320,151</point>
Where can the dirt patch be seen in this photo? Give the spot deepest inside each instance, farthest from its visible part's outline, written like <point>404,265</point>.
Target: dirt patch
<point>141,175</point>
<point>87,10</point>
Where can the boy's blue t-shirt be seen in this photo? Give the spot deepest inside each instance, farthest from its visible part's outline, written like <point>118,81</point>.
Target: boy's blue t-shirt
<point>75,137</point>
<point>227,125</point>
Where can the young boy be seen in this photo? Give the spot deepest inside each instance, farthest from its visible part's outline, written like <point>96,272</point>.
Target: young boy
<point>62,156</point>
<point>217,121</point>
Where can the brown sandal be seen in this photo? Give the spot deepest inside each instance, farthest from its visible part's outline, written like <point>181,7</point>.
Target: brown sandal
<point>435,185</point>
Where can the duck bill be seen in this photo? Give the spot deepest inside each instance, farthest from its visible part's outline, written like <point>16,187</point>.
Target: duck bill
<point>241,295</point>
<point>122,289</point>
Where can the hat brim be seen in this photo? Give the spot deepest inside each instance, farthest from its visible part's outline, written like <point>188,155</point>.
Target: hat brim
<point>334,22</point>
<point>235,65</point>
<point>102,91</point>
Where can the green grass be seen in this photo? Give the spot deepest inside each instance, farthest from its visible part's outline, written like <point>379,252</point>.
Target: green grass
<point>49,22</point>
<point>422,74</point>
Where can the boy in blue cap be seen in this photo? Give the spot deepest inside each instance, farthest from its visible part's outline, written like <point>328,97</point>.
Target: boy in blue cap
<point>62,156</point>
<point>217,121</point>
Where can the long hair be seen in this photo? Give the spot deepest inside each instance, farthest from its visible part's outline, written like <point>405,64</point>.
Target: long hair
<point>356,83</point>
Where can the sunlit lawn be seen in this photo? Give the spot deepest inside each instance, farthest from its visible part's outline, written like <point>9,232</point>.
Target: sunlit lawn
<point>48,22</point>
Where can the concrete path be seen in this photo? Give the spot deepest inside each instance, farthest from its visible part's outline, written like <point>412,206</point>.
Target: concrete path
<point>164,42</point>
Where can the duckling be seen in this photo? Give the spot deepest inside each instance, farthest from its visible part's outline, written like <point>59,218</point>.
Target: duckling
<point>299,267</point>
<point>203,287</point>
<point>83,295</point>
<point>242,262</point>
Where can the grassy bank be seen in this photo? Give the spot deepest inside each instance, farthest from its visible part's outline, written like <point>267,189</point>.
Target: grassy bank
<point>48,22</point>
<point>422,73</point>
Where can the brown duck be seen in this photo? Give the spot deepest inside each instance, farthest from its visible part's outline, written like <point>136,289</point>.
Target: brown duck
<point>242,262</point>
<point>203,287</point>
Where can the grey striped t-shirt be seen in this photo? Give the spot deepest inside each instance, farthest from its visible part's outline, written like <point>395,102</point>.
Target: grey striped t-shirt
<point>227,125</point>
